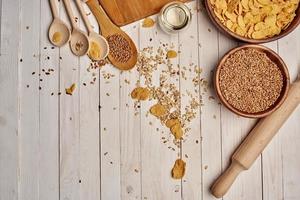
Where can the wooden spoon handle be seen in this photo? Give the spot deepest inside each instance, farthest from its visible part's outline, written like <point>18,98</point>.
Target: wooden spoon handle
<point>54,8</point>
<point>84,16</point>
<point>257,140</point>
<point>70,13</point>
<point>223,183</point>
<point>102,18</point>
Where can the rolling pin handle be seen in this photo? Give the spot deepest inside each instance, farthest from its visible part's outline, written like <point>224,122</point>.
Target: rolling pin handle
<point>224,182</point>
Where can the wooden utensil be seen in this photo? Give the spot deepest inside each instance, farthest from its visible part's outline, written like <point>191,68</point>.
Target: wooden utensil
<point>58,27</point>
<point>256,141</point>
<point>93,36</point>
<point>123,12</point>
<point>79,42</point>
<point>108,28</point>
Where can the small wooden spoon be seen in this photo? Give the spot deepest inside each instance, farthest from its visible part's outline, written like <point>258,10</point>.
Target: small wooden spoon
<point>93,36</point>
<point>58,27</point>
<point>108,28</point>
<point>79,42</point>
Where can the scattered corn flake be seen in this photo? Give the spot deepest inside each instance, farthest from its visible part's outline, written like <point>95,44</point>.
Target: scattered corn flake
<point>171,54</point>
<point>158,110</point>
<point>70,90</point>
<point>172,122</point>
<point>140,93</point>
<point>148,22</point>
<point>178,170</point>
<point>177,131</point>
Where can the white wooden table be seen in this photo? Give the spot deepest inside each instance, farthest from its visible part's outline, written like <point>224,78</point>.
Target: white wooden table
<point>67,147</point>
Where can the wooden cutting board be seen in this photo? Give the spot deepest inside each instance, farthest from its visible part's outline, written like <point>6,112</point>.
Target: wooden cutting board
<point>124,12</point>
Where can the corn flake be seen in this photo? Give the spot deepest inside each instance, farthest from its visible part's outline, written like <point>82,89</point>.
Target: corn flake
<point>70,90</point>
<point>257,19</point>
<point>178,170</point>
<point>171,54</point>
<point>158,110</point>
<point>140,93</point>
<point>148,22</point>
<point>177,131</point>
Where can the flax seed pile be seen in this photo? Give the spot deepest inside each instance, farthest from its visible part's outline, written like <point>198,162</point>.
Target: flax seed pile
<point>250,81</point>
<point>119,48</point>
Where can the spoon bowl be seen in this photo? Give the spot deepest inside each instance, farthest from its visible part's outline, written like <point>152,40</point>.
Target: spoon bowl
<point>59,27</point>
<point>79,42</point>
<point>103,44</point>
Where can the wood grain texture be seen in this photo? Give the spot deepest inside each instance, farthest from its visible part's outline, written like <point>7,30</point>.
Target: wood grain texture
<point>130,130</point>
<point>74,152</point>
<point>211,146</point>
<point>69,121</point>
<point>49,113</point>
<point>29,100</point>
<point>89,135</point>
<point>191,148</point>
<point>123,12</point>
<point>9,101</point>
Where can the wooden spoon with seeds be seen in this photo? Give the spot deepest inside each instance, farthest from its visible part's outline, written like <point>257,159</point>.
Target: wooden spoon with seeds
<point>79,42</point>
<point>114,34</point>
<point>99,48</point>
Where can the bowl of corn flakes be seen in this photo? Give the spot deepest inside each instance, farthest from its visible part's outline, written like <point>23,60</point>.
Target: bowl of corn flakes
<point>255,21</point>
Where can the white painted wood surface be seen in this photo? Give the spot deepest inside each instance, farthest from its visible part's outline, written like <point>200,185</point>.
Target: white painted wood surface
<point>93,146</point>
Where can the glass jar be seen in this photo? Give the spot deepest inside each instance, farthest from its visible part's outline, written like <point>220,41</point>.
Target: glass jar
<point>174,17</point>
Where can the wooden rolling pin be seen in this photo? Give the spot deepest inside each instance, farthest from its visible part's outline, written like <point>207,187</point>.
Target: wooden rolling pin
<point>256,141</point>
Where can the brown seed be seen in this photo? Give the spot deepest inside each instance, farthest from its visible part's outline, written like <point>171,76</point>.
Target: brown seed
<point>250,81</point>
<point>120,48</point>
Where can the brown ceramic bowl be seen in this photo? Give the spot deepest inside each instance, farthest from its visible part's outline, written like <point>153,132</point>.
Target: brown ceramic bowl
<point>226,31</point>
<point>276,59</point>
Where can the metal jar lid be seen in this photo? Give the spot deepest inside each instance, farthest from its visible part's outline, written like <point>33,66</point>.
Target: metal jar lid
<point>174,17</point>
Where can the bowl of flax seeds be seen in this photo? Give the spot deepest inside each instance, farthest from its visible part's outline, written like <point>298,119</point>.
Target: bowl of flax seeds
<point>252,81</point>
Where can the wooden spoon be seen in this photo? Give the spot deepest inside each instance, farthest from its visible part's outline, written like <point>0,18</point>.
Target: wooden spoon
<point>58,28</point>
<point>256,141</point>
<point>93,36</point>
<point>108,28</point>
<point>79,42</point>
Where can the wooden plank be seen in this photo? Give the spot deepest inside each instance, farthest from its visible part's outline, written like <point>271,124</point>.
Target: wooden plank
<point>9,71</point>
<point>110,133</point>
<point>191,149</point>
<point>157,159</point>
<point>69,120</point>
<point>272,161</point>
<point>89,127</point>
<point>29,100</point>
<point>49,112</point>
<point>210,113</point>
<point>289,50</point>
<point>130,129</point>
<point>123,12</point>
